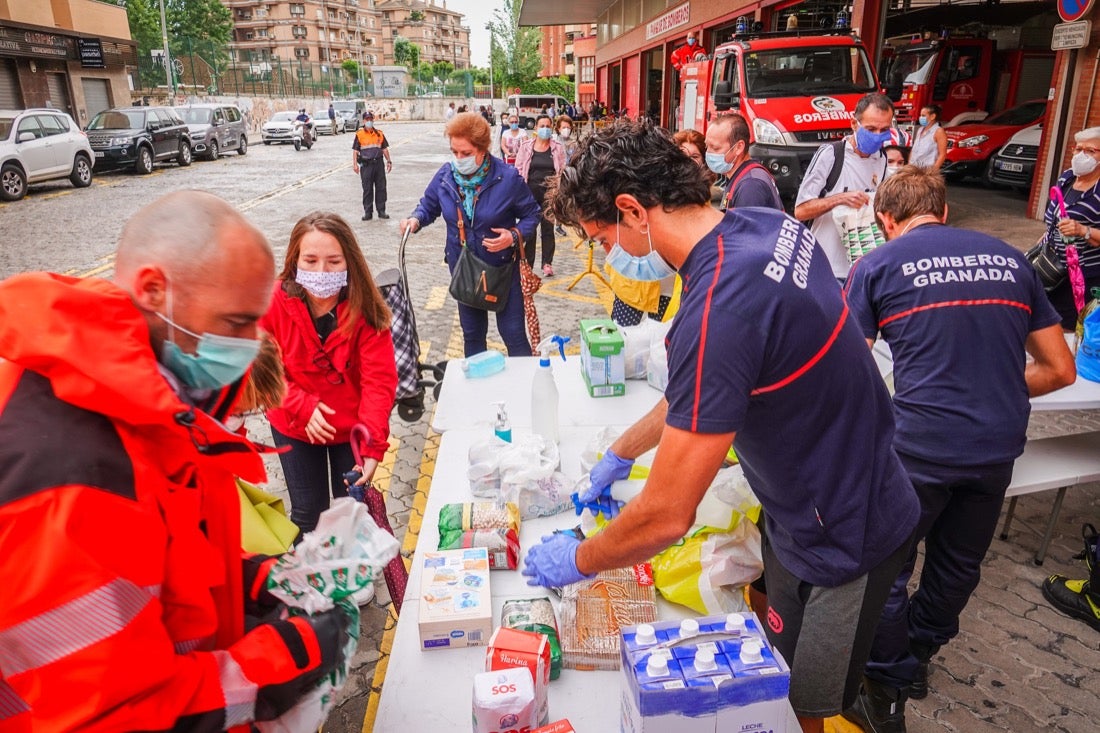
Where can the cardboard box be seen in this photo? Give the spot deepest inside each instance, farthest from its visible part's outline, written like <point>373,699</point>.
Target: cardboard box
<point>528,649</point>
<point>456,609</point>
<point>603,362</point>
<point>558,726</point>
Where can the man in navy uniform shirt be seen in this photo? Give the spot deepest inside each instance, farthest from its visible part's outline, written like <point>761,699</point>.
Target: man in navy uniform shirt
<point>958,309</point>
<point>763,354</point>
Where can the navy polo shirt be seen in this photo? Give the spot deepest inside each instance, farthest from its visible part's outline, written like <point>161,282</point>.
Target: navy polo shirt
<point>956,308</point>
<point>763,345</point>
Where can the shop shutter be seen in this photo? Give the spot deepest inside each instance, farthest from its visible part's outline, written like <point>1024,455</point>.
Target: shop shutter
<point>59,92</point>
<point>10,96</point>
<point>96,98</point>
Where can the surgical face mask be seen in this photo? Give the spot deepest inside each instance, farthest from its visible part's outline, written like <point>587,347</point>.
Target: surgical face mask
<point>922,120</point>
<point>717,163</point>
<point>868,142</point>
<point>650,267</point>
<point>892,169</point>
<point>513,125</point>
<point>465,166</point>
<point>322,284</point>
<point>368,125</point>
<point>218,360</point>
<point>691,41</point>
<point>1083,164</point>
<point>544,133</point>
<point>565,132</point>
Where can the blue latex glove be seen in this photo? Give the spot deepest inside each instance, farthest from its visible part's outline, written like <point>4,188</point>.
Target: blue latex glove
<point>553,562</point>
<point>610,469</point>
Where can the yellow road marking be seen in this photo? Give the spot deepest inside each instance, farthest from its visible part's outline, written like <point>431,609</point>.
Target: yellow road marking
<point>436,298</point>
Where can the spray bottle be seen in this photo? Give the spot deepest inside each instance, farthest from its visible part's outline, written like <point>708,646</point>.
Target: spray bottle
<point>544,392</point>
<point>502,428</point>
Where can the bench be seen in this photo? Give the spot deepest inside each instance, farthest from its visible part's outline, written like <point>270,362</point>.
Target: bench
<point>1052,463</point>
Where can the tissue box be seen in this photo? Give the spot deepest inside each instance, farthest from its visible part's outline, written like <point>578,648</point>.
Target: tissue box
<point>603,362</point>
<point>456,609</point>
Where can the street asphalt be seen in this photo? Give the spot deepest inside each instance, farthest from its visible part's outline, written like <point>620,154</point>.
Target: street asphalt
<point>1017,665</point>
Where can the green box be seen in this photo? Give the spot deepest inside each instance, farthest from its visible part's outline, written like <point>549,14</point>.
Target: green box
<point>603,363</point>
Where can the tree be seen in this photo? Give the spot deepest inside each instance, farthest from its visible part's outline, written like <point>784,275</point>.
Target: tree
<point>514,50</point>
<point>559,85</point>
<point>406,53</point>
<point>442,69</point>
<point>200,27</point>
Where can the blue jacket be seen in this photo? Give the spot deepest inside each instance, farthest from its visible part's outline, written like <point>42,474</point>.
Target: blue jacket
<point>504,202</point>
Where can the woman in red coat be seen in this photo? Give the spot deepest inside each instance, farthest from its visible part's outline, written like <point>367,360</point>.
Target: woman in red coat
<point>332,324</point>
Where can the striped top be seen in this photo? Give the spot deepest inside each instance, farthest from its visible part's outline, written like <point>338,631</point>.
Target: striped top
<point>1082,206</point>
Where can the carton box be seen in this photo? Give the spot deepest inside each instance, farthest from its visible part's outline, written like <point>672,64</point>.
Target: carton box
<point>527,649</point>
<point>456,609</point>
<point>558,726</point>
<point>603,362</point>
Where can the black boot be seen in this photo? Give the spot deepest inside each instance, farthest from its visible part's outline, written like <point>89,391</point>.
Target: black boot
<point>878,709</point>
<point>918,688</point>
<point>1079,598</point>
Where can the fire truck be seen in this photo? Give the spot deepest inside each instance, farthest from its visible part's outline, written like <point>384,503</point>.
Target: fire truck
<point>970,74</point>
<point>796,89</point>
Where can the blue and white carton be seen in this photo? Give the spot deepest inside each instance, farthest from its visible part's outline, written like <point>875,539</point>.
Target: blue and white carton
<point>708,675</point>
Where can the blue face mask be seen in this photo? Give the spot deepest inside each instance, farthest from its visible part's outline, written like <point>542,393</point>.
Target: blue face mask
<point>544,133</point>
<point>218,361</point>
<point>691,41</point>
<point>465,166</point>
<point>922,120</point>
<point>650,267</point>
<point>868,142</point>
<point>513,125</point>
<point>717,163</point>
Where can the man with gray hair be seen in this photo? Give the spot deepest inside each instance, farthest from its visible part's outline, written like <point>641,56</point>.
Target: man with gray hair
<point>743,181</point>
<point>850,179</point>
<point>126,588</point>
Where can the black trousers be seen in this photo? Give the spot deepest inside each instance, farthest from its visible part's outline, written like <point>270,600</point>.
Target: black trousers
<point>546,227</point>
<point>372,174</point>
<point>312,472</point>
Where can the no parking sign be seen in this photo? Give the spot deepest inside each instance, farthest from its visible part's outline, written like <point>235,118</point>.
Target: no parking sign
<point>1071,10</point>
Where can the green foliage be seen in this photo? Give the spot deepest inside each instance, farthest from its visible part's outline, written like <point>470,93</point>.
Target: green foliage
<point>406,53</point>
<point>554,85</point>
<point>195,27</point>
<point>442,69</point>
<point>416,15</point>
<point>514,50</point>
<point>351,66</point>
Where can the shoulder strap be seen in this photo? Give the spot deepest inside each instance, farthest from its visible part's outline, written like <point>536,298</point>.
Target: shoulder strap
<point>838,165</point>
<point>740,173</point>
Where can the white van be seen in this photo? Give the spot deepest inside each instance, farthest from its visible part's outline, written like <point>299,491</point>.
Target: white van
<point>529,106</point>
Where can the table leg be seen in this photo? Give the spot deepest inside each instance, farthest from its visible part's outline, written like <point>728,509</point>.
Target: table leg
<point>1055,510</point>
<point>1008,517</point>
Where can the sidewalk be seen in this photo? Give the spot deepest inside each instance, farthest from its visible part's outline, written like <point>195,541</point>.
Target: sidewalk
<point>1017,665</point>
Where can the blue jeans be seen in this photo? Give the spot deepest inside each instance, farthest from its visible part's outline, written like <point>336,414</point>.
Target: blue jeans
<point>510,323</point>
<point>959,511</point>
<point>311,472</point>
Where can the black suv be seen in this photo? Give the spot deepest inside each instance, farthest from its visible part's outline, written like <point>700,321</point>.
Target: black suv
<point>137,137</point>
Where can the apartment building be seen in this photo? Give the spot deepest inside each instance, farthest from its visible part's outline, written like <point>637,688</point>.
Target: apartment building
<point>438,32</point>
<point>307,31</point>
<point>73,55</point>
<point>558,51</point>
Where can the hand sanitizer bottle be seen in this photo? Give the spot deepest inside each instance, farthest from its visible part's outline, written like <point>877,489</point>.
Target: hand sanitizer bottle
<point>502,428</point>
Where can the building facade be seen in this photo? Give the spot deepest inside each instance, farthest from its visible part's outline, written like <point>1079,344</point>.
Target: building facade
<point>584,51</point>
<point>307,31</point>
<point>437,31</point>
<point>73,55</point>
<point>558,49</point>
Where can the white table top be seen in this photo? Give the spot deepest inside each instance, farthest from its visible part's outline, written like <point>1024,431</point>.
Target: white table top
<point>467,403</point>
<point>431,690</point>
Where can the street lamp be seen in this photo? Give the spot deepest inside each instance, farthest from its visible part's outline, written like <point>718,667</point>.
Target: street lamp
<point>167,54</point>
<point>492,96</point>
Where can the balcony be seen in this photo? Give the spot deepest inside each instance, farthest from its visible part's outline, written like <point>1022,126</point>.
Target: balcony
<point>253,23</point>
<point>241,3</point>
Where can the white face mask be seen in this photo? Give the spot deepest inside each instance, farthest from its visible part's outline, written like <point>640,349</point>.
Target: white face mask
<point>322,284</point>
<point>565,133</point>
<point>1083,164</point>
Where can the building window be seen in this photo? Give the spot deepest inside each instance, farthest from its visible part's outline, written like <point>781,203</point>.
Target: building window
<point>298,31</point>
<point>302,53</point>
<point>297,9</point>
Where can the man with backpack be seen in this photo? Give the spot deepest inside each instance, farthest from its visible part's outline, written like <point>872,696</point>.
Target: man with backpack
<point>846,173</point>
<point>744,182</point>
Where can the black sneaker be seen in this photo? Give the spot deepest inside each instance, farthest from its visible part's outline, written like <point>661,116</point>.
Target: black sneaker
<point>383,215</point>
<point>368,217</point>
<point>878,709</point>
<point>1074,598</point>
<point>918,688</point>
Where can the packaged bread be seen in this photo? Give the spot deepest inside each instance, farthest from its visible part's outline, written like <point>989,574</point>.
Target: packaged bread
<point>593,611</point>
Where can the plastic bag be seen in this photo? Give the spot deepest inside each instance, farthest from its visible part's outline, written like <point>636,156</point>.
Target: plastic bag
<point>330,564</point>
<point>523,472</point>
<point>1088,351</point>
<point>859,232</point>
<point>657,366</point>
<point>636,346</point>
<point>502,544</point>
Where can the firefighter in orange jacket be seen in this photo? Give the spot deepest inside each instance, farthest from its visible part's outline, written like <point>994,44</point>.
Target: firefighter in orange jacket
<point>686,54</point>
<point>369,149</point>
<point>124,586</point>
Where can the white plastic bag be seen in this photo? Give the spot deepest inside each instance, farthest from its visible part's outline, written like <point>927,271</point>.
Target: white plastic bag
<point>858,230</point>
<point>657,367</point>
<point>637,345</point>
<point>524,472</point>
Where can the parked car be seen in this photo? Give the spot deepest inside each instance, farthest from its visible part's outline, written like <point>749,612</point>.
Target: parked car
<point>279,129</point>
<point>970,145</point>
<point>350,112</point>
<point>322,125</point>
<point>138,137</point>
<point>1014,164</point>
<point>39,145</point>
<point>215,129</point>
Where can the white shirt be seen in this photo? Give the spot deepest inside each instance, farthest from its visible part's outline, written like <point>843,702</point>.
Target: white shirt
<point>449,113</point>
<point>857,174</point>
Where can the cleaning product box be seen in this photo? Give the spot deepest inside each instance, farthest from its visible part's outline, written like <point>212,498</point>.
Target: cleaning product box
<point>603,362</point>
<point>528,649</point>
<point>707,675</point>
<point>456,609</point>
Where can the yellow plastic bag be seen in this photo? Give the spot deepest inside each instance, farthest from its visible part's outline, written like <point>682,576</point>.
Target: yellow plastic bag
<point>265,527</point>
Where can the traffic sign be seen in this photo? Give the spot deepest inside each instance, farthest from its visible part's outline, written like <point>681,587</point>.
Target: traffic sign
<point>1070,35</point>
<point>1071,10</point>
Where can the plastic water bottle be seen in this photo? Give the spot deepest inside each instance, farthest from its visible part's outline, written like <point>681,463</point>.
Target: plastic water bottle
<point>544,392</point>
<point>484,364</point>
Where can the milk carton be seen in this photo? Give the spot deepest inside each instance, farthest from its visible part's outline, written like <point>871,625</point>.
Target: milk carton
<point>456,609</point>
<point>504,700</point>
<point>529,650</point>
<point>602,360</point>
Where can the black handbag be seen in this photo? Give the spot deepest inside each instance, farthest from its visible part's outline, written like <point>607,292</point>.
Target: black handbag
<point>477,284</point>
<point>1051,268</point>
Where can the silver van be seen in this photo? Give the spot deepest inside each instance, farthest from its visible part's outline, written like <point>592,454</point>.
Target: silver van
<point>215,129</point>
<point>349,113</point>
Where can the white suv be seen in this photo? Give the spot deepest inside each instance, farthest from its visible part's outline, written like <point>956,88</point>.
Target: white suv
<point>40,145</point>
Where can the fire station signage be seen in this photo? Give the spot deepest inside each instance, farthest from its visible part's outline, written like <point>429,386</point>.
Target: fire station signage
<point>678,16</point>
<point>91,53</point>
<point>1070,35</point>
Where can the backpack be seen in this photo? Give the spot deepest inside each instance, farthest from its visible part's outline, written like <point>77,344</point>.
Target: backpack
<point>838,165</point>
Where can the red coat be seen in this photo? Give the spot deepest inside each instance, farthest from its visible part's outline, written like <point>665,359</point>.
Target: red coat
<point>355,376</point>
<point>119,524</point>
<point>685,54</point>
